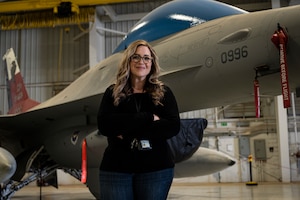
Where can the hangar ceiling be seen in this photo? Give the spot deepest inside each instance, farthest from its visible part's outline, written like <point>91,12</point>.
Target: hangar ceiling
<point>14,6</point>
<point>18,14</point>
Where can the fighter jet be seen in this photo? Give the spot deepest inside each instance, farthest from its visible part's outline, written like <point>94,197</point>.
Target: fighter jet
<point>204,161</point>
<point>207,62</point>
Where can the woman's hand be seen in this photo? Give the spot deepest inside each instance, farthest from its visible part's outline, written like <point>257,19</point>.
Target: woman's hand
<point>120,137</point>
<point>155,117</point>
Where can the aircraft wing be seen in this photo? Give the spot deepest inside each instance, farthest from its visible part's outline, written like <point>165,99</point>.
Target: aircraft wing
<point>39,118</point>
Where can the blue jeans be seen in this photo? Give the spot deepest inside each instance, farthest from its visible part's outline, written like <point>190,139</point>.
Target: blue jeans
<point>142,186</point>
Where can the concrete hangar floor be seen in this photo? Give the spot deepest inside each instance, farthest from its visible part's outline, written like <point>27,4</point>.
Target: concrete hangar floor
<point>179,191</point>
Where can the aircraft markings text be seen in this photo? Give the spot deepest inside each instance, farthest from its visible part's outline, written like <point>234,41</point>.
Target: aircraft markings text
<point>234,54</point>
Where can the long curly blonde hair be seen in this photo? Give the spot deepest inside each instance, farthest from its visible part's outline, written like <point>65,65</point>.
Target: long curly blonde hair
<point>153,85</point>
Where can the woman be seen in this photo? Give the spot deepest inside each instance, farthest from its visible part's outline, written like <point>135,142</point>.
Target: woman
<point>137,114</point>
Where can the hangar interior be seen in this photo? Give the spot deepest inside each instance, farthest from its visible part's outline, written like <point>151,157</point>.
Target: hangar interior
<point>52,54</point>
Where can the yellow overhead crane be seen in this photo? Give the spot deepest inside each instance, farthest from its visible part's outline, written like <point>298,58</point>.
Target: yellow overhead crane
<point>49,13</point>
<point>34,5</point>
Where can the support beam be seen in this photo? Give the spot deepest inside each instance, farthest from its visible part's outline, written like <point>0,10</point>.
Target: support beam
<point>283,138</point>
<point>97,43</point>
<point>111,15</point>
<point>44,19</point>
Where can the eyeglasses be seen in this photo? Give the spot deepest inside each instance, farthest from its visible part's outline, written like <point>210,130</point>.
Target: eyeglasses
<point>136,58</point>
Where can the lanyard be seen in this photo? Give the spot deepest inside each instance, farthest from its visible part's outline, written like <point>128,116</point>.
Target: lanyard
<point>138,104</point>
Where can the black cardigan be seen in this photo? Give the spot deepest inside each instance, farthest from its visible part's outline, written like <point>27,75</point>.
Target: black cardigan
<point>133,119</point>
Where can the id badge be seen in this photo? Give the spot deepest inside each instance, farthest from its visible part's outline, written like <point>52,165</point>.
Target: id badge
<point>145,145</point>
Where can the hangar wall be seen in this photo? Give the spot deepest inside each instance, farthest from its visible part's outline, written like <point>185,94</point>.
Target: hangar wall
<point>235,131</point>
<point>48,59</point>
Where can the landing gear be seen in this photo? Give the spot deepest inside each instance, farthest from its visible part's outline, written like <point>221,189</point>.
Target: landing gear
<point>10,188</point>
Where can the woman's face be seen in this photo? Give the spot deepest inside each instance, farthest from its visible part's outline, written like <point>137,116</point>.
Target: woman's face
<point>140,63</point>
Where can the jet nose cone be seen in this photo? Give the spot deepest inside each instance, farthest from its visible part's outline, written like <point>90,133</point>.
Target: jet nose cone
<point>231,163</point>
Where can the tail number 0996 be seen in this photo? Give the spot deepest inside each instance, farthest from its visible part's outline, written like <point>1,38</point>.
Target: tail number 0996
<point>235,54</point>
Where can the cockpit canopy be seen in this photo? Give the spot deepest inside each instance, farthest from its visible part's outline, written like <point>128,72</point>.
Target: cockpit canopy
<point>174,17</point>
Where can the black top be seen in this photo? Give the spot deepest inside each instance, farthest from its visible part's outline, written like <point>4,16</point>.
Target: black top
<point>133,119</point>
